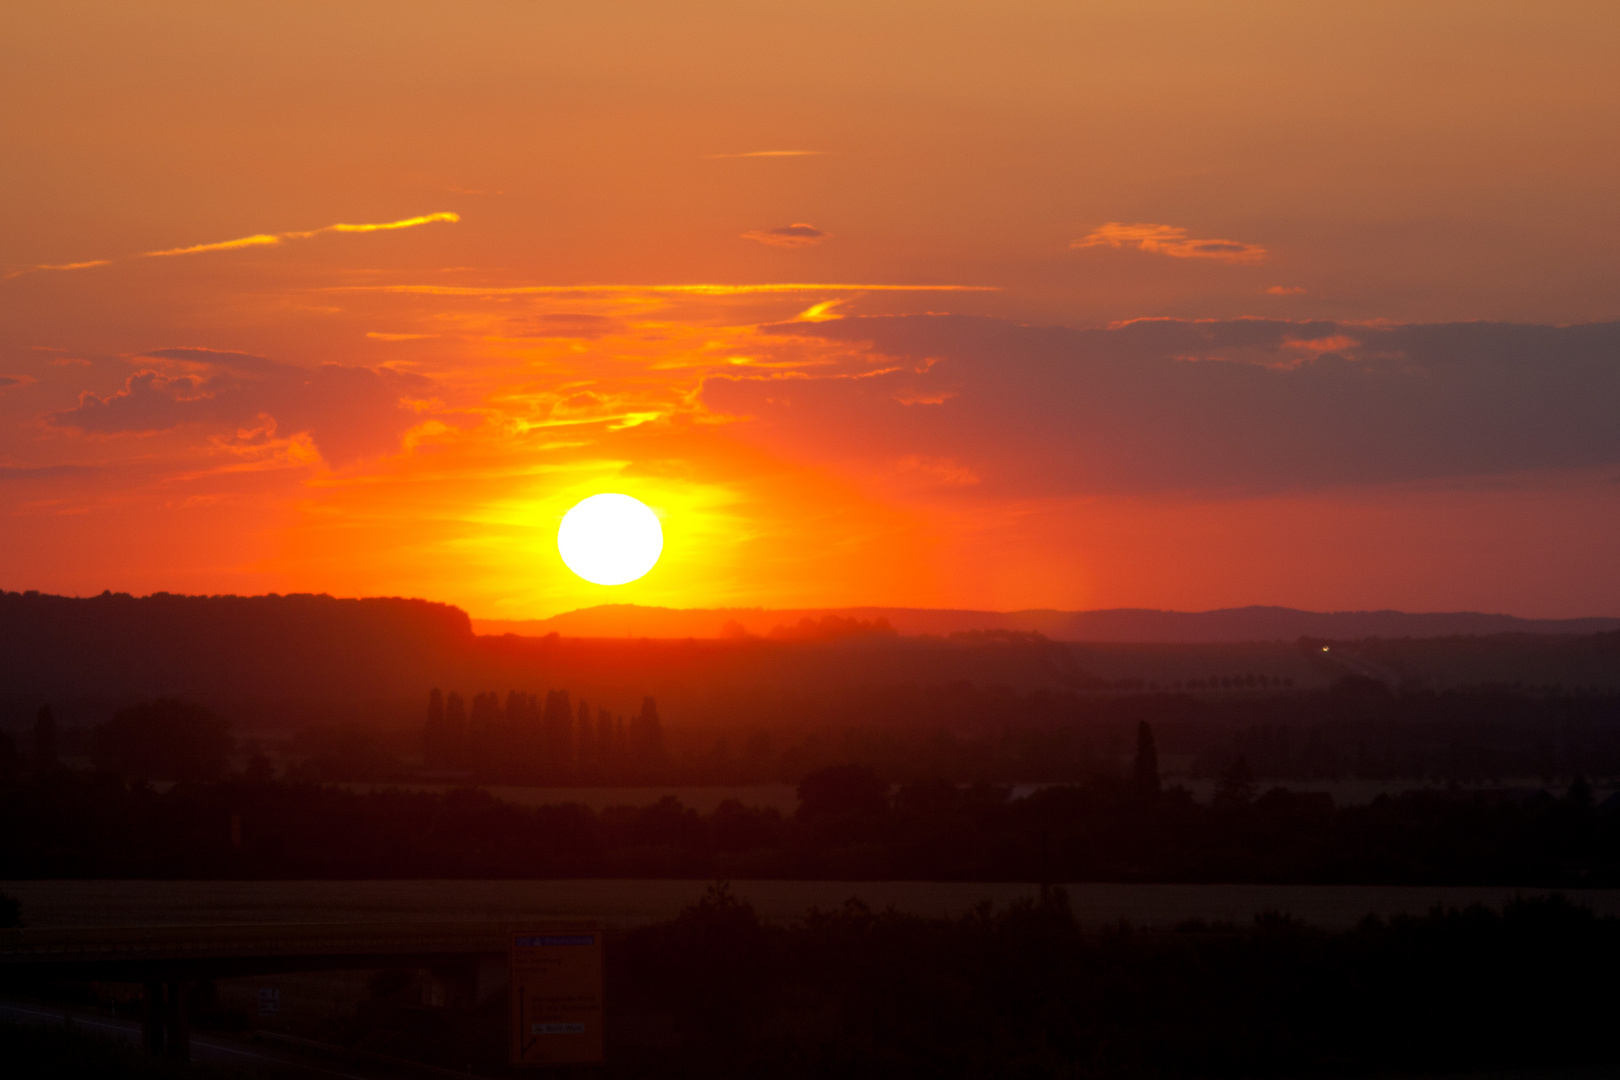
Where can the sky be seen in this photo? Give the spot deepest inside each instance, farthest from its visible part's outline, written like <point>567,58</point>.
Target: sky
<point>1069,305</point>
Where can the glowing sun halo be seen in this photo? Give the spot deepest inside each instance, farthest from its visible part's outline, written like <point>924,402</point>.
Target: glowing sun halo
<point>610,539</point>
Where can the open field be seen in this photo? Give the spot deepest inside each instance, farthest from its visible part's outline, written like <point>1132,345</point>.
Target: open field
<point>631,902</point>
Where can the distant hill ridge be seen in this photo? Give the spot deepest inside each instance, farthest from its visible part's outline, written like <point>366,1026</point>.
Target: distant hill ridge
<point>1228,625</point>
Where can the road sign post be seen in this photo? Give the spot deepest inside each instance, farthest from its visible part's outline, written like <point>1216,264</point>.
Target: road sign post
<point>557,1009</point>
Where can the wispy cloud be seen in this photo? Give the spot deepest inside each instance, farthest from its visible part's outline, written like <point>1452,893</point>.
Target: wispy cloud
<point>940,471</point>
<point>1171,240</point>
<point>568,324</point>
<point>789,236</point>
<point>1286,290</point>
<point>44,472</point>
<point>256,240</point>
<point>772,153</point>
<point>66,266</point>
<point>822,312</point>
<point>347,412</point>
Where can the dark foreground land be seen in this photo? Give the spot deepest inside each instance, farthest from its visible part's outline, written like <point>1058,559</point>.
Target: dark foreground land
<point>849,826</point>
<point>74,1052</point>
<point>1022,991</point>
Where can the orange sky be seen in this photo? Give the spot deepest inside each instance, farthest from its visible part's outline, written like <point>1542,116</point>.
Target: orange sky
<point>1067,305</point>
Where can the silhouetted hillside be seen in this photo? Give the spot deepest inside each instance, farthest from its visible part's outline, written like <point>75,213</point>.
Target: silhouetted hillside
<point>1116,625</point>
<point>214,647</point>
<point>284,661</point>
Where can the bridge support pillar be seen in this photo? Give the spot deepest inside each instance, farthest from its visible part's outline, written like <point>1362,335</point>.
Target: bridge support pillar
<point>152,1022</point>
<point>177,1025</point>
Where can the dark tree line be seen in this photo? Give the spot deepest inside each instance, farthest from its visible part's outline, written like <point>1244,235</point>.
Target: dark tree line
<point>961,732</point>
<point>1356,729</point>
<point>850,825</point>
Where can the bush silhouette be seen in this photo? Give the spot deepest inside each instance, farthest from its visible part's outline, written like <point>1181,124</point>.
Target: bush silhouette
<point>164,740</point>
<point>842,790</point>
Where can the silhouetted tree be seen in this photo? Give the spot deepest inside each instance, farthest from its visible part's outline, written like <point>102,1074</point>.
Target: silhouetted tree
<point>558,727</point>
<point>455,731</point>
<point>1237,785</point>
<point>521,737</point>
<point>8,758</point>
<point>340,751</point>
<point>606,760</point>
<point>483,732</point>
<point>1145,771</point>
<point>44,748</point>
<point>584,739</point>
<point>164,740</point>
<point>842,790</point>
<point>435,739</point>
<point>648,735</point>
<point>258,769</point>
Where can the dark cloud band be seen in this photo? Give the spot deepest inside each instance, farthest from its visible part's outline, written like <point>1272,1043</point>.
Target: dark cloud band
<point>1244,405</point>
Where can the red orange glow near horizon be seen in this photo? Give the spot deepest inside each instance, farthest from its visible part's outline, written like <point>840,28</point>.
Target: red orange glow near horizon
<point>1065,306</point>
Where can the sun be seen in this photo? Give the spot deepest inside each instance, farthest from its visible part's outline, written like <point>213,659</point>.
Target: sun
<point>610,539</point>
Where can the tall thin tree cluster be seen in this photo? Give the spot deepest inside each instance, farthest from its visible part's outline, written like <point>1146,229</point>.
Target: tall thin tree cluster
<point>527,739</point>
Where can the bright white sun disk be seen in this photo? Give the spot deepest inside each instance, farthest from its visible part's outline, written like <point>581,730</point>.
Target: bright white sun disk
<point>610,539</point>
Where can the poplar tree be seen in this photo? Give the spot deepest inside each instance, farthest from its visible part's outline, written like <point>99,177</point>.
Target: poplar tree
<point>1145,773</point>
<point>435,751</point>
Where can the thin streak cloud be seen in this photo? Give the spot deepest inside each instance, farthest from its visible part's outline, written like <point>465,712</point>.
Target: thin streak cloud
<point>68,266</point>
<point>403,223</point>
<point>258,240</point>
<point>771,153</point>
<point>272,239</point>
